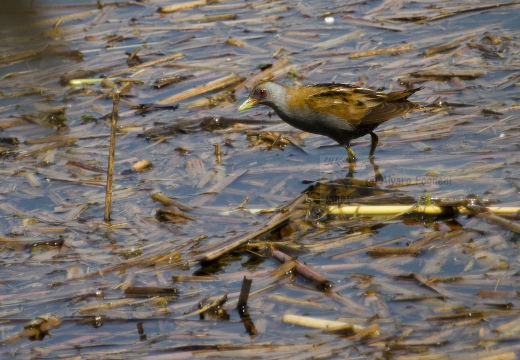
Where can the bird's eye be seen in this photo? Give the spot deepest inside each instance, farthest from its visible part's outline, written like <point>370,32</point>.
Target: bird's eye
<point>262,92</point>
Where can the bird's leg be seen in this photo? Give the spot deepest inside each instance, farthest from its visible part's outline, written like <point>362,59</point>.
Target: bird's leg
<point>351,155</point>
<point>351,161</point>
<point>375,141</point>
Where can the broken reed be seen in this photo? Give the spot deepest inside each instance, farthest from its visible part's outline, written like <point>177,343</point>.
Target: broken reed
<point>111,155</point>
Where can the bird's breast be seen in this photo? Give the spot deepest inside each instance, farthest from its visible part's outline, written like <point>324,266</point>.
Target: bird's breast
<point>308,120</point>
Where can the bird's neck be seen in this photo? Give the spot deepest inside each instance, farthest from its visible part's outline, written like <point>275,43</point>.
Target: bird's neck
<point>283,104</point>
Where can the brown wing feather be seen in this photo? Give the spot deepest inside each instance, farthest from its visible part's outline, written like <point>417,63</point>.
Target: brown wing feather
<point>387,111</point>
<point>349,103</point>
<point>360,106</point>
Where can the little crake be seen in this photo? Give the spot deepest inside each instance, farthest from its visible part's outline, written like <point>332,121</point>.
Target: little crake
<point>338,111</point>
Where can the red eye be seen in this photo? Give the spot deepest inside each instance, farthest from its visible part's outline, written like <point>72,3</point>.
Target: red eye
<point>262,92</point>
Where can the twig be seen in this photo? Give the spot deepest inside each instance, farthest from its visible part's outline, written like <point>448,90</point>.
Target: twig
<point>217,303</point>
<point>304,269</point>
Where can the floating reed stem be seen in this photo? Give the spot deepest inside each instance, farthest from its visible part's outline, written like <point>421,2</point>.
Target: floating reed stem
<point>304,269</point>
<point>325,325</point>
<point>146,64</point>
<point>211,86</point>
<point>379,210</point>
<point>381,51</point>
<point>185,5</point>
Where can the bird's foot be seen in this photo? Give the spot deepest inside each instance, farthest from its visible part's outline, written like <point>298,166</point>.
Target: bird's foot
<point>351,155</point>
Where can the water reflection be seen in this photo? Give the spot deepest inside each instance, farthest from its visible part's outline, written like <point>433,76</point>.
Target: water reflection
<point>19,27</point>
<point>374,180</point>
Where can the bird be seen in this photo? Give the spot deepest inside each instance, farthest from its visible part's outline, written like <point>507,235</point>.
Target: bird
<point>341,112</point>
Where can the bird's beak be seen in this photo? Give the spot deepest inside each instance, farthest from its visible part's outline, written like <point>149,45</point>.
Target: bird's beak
<point>247,104</point>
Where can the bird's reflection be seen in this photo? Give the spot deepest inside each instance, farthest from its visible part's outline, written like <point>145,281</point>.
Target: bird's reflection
<point>374,180</point>
<point>377,174</point>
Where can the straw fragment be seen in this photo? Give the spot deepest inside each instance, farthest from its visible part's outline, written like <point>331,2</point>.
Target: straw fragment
<point>211,86</point>
<point>207,18</point>
<point>389,50</point>
<point>59,144</point>
<point>443,73</point>
<point>448,46</point>
<point>185,5</point>
<point>304,269</point>
<point>508,224</point>
<point>146,64</point>
<point>323,324</point>
<point>165,200</point>
<point>278,66</point>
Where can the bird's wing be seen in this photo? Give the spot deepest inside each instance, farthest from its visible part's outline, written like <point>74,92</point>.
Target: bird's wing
<point>360,106</point>
<point>388,110</point>
<point>349,103</point>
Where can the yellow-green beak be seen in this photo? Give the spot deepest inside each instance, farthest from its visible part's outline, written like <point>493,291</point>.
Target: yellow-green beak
<point>247,104</point>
